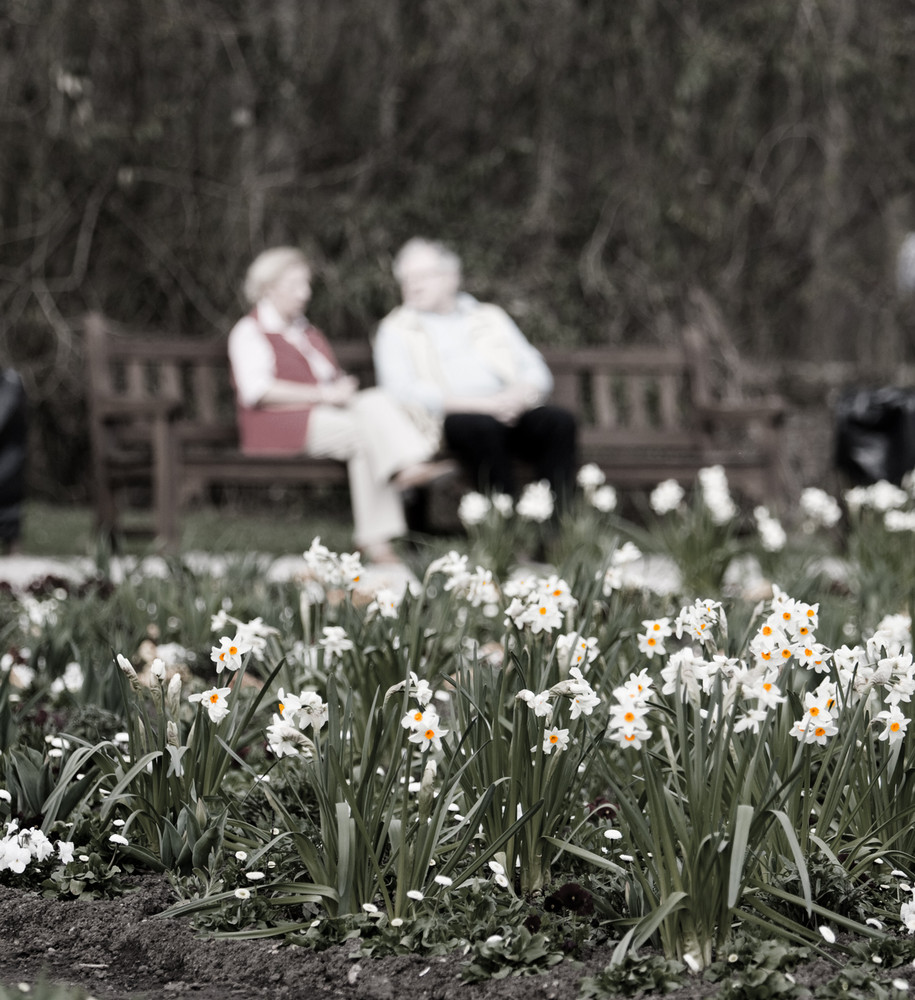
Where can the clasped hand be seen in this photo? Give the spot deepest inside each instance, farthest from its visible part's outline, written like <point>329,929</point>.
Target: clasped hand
<point>340,391</point>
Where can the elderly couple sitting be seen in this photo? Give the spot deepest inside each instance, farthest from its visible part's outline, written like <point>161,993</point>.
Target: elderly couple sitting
<point>451,371</point>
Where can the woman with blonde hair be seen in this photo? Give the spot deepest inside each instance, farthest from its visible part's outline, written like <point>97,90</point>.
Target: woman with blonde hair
<point>293,397</point>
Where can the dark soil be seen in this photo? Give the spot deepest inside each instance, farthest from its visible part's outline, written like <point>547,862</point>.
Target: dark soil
<point>116,948</point>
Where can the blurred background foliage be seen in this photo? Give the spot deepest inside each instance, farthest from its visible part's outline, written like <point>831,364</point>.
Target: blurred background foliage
<point>591,161</point>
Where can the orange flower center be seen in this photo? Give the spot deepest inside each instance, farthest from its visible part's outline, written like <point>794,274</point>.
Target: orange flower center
<point>214,697</point>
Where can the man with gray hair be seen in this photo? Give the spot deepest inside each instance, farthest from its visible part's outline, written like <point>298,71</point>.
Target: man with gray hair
<point>465,370</point>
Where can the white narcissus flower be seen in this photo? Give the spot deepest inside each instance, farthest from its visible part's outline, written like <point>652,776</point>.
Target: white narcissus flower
<point>428,735</point>
<point>604,499</point>
<point>536,502</point>
<point>227,655</point>
<point>214,701</point>
<point>473,508</point>
<point>820,510</point>
<point>899,520</point>
<point>284,740</point>
<point>590,476</point>
<point>666,497</point>
<point>385,604</point>
<point>503,504</point>
<point>555,739</point>
<point>539,704</point>
<point>895,724</point>
<point>544,615</point>
<point>907,914</point>
<point>312,710</point>
<point>335,641</point>
<point>576,650</point>
<point>651,645</point>
<point>584,702</point>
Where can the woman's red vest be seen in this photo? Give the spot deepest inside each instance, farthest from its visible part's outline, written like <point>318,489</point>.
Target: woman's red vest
<point>281,431</point>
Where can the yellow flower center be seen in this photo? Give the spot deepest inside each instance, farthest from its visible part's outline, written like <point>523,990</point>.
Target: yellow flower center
<point>894,727</point>
<point>233,650</point>
<point>814,710</point>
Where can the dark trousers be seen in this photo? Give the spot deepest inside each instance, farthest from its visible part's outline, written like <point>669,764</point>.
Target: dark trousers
<point>544,437</point>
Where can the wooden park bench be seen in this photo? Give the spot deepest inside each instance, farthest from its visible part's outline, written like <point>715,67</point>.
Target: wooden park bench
<point>162,419</point>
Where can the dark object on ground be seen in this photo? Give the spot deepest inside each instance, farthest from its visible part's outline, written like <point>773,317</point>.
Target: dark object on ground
<point>875,434</point>
<point>12,456</point>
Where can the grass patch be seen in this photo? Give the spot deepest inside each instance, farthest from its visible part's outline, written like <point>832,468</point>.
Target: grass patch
<point>53,530</point>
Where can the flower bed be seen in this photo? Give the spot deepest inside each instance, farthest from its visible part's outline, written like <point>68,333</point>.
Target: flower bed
<point>514,764</point>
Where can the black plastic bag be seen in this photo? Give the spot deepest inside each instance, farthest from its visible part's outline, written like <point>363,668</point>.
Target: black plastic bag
<point>875,434</point>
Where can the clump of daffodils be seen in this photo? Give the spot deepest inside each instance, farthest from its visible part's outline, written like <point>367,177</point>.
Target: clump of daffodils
<point>250,637</point>
<point>880,497</point>
<point>628,724</point>
<point>819,509</point>
<point>536,502</point>
<point>333,570</point>
<point>296,712</point>
<point>538,604</point>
